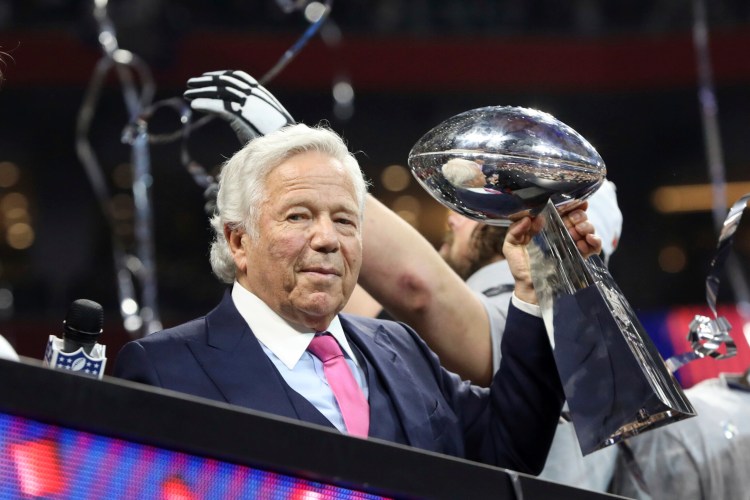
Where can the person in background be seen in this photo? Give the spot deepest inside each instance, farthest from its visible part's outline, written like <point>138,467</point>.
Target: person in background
<point>6,350</point>
<point>701,458</point>
<point>458,299</point>
<point>288,239</point>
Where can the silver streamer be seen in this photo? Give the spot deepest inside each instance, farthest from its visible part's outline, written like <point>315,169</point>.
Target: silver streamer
<point>197,171</point>
<point>706,335</point>
<point>138,319</point>
<point>292,52</point>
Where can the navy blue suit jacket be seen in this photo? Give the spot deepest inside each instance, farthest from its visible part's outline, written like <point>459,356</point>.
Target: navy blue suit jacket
<point>510,425</point>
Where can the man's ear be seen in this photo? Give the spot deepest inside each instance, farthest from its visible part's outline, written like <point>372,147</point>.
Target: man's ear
<point>237,240</point>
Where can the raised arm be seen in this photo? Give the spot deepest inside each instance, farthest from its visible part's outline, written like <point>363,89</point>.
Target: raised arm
<point>403,272</point>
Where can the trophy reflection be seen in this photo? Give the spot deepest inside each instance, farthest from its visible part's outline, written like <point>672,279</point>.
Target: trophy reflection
<point>499,164</point>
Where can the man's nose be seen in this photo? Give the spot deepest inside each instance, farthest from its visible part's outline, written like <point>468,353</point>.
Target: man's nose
<point>325,238</point>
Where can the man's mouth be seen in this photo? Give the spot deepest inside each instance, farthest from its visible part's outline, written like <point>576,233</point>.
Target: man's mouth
<point>329,271</point>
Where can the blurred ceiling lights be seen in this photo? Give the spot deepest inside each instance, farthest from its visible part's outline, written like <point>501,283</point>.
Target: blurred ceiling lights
<point>694,197</point>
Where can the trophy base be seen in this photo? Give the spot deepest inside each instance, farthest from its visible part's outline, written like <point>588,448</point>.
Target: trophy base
<point>633,429</point>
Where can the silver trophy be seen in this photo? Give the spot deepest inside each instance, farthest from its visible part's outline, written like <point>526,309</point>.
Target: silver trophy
<point>498,164</point>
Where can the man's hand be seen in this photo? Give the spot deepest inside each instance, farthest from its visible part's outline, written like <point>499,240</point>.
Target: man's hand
<point>514,249</point>
<point>583,232</point>
<point>520,233</point>
<point>238,98</point>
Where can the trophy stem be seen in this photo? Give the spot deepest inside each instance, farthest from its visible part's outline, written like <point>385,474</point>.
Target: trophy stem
<point>616,383</point>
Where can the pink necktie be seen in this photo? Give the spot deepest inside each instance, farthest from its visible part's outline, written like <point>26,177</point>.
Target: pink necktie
<point>350,398</point>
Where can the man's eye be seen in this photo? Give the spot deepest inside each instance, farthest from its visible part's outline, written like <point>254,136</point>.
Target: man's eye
<point>295,217</point>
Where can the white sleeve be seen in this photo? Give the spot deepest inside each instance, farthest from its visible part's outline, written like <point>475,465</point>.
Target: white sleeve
<point>527,307</point>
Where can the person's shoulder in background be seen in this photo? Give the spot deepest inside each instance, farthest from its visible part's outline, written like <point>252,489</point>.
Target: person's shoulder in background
<point>604,213</point>
<point>6,350</point>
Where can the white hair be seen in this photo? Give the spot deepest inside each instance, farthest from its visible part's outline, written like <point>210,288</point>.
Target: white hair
<point>463,173</point>
<point>242,183</point>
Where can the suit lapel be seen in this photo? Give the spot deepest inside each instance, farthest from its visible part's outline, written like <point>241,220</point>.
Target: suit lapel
<point>397,379</point>
<point>234,360</point>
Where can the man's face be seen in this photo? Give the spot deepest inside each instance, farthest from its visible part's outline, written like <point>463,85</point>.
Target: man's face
<point>457,249</point>
<point>306,260</point>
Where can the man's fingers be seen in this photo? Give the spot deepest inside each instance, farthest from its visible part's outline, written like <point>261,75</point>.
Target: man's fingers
<point>264,94</point>
<point>518,231</point>
<point>264,116</point>
<point>574,217</point>
<point>590,245</point>
<point>237,76</point>
<point>217,107</point>
<point>206,105</point>
<point>199,81</point>
<point>236,73</point>
<point>208,78</point>
<point>264,100</point>
<point>580,230</point>
<point>219,93</point>
<point>230,79</point>
<point>595,242</point>
<point>241,75</point>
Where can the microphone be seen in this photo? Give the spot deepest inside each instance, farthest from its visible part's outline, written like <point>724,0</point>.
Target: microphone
<point>77,350</point>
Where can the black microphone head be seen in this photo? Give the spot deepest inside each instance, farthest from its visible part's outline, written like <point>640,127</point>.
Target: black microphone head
<point>84,321</point>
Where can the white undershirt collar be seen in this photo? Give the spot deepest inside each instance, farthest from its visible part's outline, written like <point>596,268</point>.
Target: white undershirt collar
<point>287,342</point>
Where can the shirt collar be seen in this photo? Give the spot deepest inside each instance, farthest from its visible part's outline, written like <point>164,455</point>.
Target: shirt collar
<point>286,341</point>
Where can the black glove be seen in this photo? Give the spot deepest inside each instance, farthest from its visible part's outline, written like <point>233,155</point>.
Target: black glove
<point>238,98</point>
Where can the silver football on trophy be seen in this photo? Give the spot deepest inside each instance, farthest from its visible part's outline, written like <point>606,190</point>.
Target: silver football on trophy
<point>500,163</point>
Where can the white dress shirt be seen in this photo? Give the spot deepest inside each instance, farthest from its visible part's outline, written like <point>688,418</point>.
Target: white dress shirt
<point>286,346</point>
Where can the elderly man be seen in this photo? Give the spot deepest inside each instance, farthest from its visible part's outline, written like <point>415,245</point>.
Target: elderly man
<point>288,236</point>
